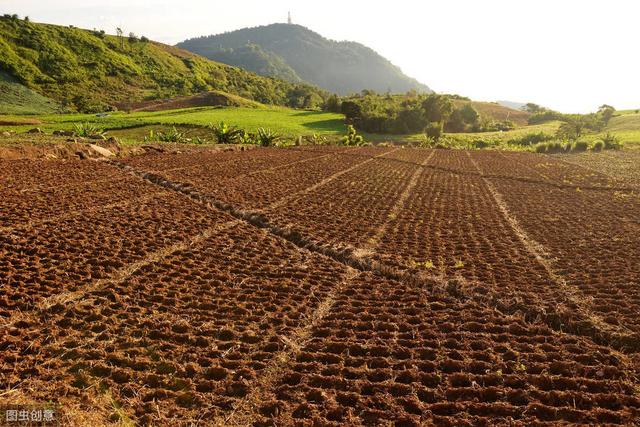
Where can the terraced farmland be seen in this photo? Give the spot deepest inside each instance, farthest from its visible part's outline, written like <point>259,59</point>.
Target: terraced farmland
<point>322,286</point>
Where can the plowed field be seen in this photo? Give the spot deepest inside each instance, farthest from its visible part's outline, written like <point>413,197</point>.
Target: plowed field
<point>322,286</point>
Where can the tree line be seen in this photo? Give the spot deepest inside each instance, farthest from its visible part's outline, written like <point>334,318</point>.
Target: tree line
<point>410,113</point>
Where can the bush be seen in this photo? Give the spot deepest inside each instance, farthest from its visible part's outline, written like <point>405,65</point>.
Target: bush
<point>267,138</point>
<point>545,116</point>
<point>531,139</point>
<point>611,142</point>
<point>598,145</point>
<point>174,135</point>
<point>247,138</point>
<point>226,134</point>
<point>580,146</point>
<point>87,130</point>
<point>427,142</point>
<point>555,147</point>
<point>434,130</point>
<point>541,148</point>
<point>481,143</point>
<point>352,138</point>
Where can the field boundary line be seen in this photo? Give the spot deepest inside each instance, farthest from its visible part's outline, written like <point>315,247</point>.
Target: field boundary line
<point>297,195</point>
<point>546,179</point>
<point>120,275</point>
<point>344,254</point>
<point>374,241</point>
<point>539,252</point>
<point>246,412</point>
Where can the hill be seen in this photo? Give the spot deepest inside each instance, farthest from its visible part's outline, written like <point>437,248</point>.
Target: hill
<point>497,111</point>
<point>15,98</point>
<point>293,51</point>
<point>90,70</point>
<point>512,104</point>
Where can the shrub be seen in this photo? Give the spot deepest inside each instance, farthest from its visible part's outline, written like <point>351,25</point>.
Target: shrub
<point>172,136</point>
<point>611,142</point>
<point>427,142</point>
<point>434,130</point>
<point>267,138</point>
<point>481,143</point>
<point>87,129</point>
<point>531,139</point>
<point>247,138</point>
<point>316,139</point>
<point>598,145</point>
<point>545,116</point>
<point>580,146</point>
<point>352,138</point>
<point>556,147</point>
<point>541,148</point>
<point>225,134</point>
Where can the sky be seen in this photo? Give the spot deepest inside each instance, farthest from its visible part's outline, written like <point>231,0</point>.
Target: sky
<point>569,55</point>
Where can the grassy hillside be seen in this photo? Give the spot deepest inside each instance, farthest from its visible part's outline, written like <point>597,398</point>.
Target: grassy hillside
<point>88,70</point>
<point>342,67</point>
<point>15,98</point>
<point>626,126</point>
<point>254,58</point>
<point>497,112</point>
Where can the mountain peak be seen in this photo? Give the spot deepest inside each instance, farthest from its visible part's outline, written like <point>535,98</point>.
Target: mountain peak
<point>296,53</point>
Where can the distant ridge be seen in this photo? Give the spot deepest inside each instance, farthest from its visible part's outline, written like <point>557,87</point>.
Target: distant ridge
<point>293,52</point>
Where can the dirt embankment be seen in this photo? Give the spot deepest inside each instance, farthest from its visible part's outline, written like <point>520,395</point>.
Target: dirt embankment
<point>44,146</point>
<point>207,99</point>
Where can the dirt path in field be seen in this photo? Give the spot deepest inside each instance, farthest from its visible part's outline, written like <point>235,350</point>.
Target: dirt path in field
<point>541,255</point>
<point>373,243</point>
<point>300,194</point>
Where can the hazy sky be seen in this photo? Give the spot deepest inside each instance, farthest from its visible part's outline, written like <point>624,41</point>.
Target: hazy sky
<point>569,55</point>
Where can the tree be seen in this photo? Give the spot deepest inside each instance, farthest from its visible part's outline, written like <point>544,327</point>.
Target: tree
<point>351,110</point>
<point>532,108</point>
<point>437,108</point>
<point>469,114</point>
<point>572,129</point>
<point>119,33</point>
<point>456,122</point>
<point>606,112</point>
<point>333,104</point>
<point>434,130</point>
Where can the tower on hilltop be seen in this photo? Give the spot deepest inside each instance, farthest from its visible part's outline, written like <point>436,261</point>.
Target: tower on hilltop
<point>289,19</point>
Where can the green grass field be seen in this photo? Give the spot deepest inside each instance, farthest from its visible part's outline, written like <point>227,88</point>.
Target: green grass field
<point>132,127</point>
<point>289,123</point>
